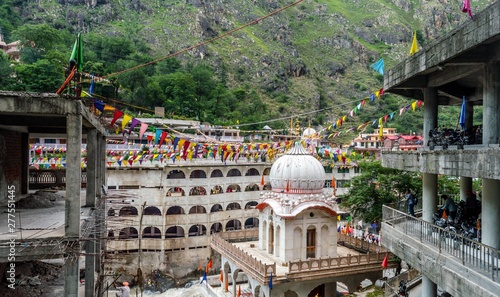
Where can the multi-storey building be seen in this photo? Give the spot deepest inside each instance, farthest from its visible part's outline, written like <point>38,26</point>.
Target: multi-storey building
<point>461,67</point>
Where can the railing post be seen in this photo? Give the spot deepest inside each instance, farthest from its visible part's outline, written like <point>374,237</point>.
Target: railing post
<point>421,231</point>
<point>439,239</point>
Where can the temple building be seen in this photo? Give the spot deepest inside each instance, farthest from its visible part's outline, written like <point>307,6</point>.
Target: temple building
<point>299,251</point>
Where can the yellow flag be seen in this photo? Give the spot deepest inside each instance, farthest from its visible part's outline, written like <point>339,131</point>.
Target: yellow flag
<point>414,45</point>
<point>126,119</point>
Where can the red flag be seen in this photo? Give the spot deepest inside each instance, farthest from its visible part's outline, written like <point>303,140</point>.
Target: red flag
<point>116,116</point>
<point>162,137</point>
<point>384,262</point>
<point>262,182</point>
<point>288,185</point>
<point>239,291</point>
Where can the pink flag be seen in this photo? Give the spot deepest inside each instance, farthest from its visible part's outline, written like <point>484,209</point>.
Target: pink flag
<point>143,129</point>
<point>466,8</point>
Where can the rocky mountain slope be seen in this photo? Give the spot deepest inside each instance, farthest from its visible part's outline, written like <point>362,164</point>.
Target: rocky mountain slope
<point>313,55</point>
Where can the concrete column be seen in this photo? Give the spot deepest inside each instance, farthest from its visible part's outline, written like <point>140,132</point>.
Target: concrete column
<point>490,215</point>
<point>101,162</point>
<point>25,148</point>
<point>465,186</point>
<point>91,168</point>
<point>429,196</point>
<point>491,104</point>
<point>73,174</point>
<point>72,199</point>
<point>429,288</point>
<point>90,265</point>
<point>430,111</point>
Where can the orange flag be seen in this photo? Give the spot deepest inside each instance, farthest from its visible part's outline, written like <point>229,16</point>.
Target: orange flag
<point>209,265</point>
<point>384,262</point>
<point>333,183</point>
<point>288,186</point>
<point>445,216</point>
<point>262,183</point>
<point>200,266</point>
<point>221,276</point>
<point>239,291</point>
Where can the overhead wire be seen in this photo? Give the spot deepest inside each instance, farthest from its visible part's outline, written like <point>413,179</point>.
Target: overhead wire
<point>207,41</point>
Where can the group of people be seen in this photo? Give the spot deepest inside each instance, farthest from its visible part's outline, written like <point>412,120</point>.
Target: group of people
<point>360,234</point>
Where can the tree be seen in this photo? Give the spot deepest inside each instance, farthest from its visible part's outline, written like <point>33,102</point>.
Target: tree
<point>6,79</point>
<point>377,186</point>
<point>37,40</point>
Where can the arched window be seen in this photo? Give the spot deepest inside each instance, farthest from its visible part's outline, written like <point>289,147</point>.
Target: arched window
<point>233,225</point>
<point>233,188</point>
<point>197,230</point>
<point>197,209</point>
<point>251,188</point>
<point>176,174</point>
<point>128,233</point>
<point>152,211</point>
<point>175,192</point>
<point>234,172</point>
<point>266,171</point>
<point>128,211</point>
<point>216,228</point>
<point>251,205</point>
<point>174,232</point>
<point>111,234</point>
<point>251,223</point>
<point>216,208</point>
<point>111,212</point>
<point>216,173</point>
<point>267,187</point>
<point>233,206</point>
<point>198,174</point>
<point>252,172</point>
<point>197,191</point>
<point>151,232</point>
<point>175,210</point>
<point>216,190</point>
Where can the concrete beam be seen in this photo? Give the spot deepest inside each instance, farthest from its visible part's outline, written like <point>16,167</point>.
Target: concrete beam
<point>476,161</point>
<point>452,73</point>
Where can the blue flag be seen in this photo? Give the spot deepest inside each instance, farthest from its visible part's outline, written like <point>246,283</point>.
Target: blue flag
<point>378,66</point>
<point>204,277</point>
<point>92,87</point>
<point>271,281</point>
<point>461,120</point>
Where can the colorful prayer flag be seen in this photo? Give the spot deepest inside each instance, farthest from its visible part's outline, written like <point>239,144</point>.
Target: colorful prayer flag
<point>414,45</point>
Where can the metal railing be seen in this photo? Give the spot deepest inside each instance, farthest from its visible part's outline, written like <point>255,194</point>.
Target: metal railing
<point>47,178</point>
<point>446,240</point>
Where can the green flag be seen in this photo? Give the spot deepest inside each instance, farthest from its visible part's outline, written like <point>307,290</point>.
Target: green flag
<point>77,53</point>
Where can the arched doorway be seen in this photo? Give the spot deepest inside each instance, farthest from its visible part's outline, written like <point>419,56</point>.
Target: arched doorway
<point>311,242</point>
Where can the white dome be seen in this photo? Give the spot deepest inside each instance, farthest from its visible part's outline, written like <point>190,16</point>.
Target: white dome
<point>308,132</point>
<point>298,172</point>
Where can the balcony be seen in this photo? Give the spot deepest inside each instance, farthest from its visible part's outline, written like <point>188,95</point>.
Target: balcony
<point>454,263</point>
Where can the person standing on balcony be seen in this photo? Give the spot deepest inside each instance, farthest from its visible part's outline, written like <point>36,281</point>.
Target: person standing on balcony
<point>450,207</point>
<point>410,201</point>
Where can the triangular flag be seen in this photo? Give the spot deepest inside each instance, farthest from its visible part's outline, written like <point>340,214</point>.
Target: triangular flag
<point>378,66</point>
<point>384,262</point>
<point>126,119</point>
<point>414,45</point>
<point>134,123</point>
<point>239,291</point>
<point>221,276</point>
<point>116,116</point>
<point>77,53</point>
<point>262,182</point>
<point>143,129</point>
<point>204,278</point>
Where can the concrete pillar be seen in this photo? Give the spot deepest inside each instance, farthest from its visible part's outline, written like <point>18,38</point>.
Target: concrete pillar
<point>490,215</point>
<point>430,111</point>
<point>491,104</point>
<point>73,174</point>
<point>90,265</point>
<point>429,288</point>
<point>429,196</point>
<point>91,168</point>
<point>101,162</point>
<point>25,148</point>
<point>72,199</point>
<point>465,186</point>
